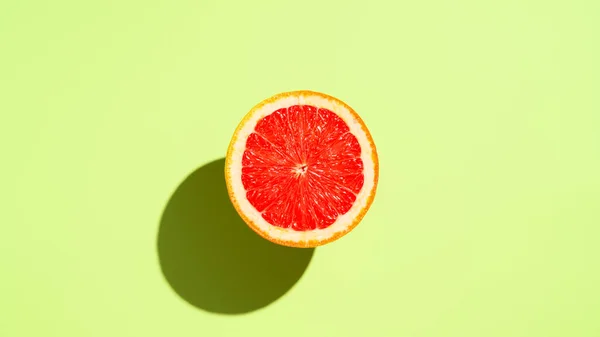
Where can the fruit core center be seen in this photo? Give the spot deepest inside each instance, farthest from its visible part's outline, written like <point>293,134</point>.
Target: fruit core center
<point>301,169</point>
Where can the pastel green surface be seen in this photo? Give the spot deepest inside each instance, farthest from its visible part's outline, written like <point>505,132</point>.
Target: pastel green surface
<point>486,116</point>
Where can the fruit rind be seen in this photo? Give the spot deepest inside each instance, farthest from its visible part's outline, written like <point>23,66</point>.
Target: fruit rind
<point>288,237</point>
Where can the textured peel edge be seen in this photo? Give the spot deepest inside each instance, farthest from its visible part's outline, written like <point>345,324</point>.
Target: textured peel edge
<point>310,242</point>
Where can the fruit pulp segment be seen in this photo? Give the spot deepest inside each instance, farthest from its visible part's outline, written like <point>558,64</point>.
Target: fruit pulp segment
<point>301,168</point>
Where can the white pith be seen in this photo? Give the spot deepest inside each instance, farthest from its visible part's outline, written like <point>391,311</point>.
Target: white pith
<point>235,169</point>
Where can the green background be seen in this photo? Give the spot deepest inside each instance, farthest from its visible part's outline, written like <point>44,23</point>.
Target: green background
<point>486,115</point>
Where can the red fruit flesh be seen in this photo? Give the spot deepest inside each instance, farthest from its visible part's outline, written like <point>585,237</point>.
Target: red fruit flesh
<point>302,168</point>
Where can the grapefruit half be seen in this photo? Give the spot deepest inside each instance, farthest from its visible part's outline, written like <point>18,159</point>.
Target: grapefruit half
<point>302,169</point>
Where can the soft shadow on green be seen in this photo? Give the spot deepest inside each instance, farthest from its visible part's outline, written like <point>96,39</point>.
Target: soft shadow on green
<point>212,259</point>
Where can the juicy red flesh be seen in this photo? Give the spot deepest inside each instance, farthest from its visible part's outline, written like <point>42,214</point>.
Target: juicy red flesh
<point>302,168</point>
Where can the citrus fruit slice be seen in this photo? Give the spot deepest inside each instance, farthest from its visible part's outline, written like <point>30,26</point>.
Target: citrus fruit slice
<point>301,169</point>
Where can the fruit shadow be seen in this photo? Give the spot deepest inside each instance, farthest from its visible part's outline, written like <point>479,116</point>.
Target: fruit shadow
<point>212,259</point>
